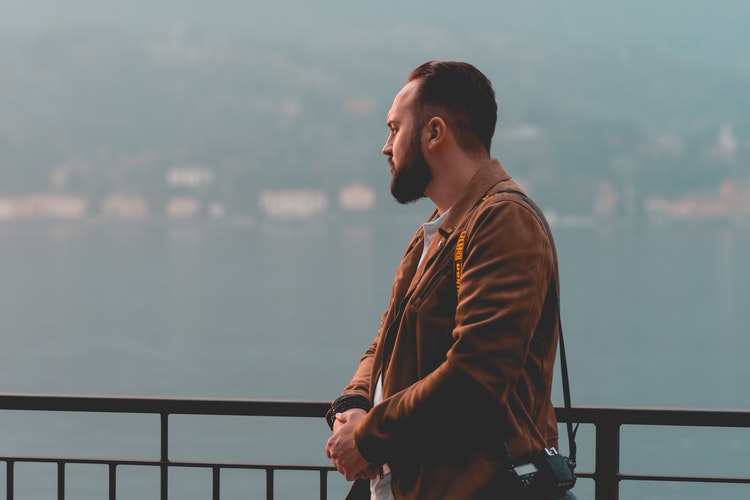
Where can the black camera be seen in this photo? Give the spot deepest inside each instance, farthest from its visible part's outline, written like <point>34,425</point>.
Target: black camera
<point>547,475</point>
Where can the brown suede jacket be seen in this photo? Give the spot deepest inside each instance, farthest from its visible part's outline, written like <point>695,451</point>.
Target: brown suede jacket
<point>467,367</point>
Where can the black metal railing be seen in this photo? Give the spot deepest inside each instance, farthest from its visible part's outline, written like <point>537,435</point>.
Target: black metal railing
<point>607,423</point>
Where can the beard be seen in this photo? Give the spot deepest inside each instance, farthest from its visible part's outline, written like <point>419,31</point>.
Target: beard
<point>410,179</point>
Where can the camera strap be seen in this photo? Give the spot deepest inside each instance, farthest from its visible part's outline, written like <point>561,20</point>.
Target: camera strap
<point>563,359</point>
<point>556,289</point>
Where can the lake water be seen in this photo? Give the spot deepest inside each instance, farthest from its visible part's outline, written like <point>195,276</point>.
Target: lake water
<point>653,316</point>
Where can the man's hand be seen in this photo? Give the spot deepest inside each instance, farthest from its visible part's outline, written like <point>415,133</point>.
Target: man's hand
<point>342,450</point>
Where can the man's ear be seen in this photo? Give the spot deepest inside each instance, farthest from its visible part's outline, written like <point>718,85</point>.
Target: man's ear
<point>435,131</point>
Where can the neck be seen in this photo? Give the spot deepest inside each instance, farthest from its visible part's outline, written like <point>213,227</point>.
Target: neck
<point>449,181</point>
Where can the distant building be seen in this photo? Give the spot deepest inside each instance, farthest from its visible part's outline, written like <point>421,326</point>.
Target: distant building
<point>183,207</point>
<point>8,208</point>
<point>731,200</point>
<point>121,206</point>
<point>356,198</point>
<point>51,206</point>
<point>607,200</point>
<point>727,141</point>
<point>190,177</point>
<point>734,193</point>
<point>293,203</point>
<point>521,132</point>
<point>726,145</point>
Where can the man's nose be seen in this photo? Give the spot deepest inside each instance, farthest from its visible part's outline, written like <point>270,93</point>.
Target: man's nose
<point>387,148</point>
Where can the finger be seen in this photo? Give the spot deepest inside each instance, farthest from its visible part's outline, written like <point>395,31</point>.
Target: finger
<point>344,472</point>
<point>375,472</point>
<point>329,448</point>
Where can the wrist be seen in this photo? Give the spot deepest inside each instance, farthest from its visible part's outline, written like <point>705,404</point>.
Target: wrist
<point>345,403</point>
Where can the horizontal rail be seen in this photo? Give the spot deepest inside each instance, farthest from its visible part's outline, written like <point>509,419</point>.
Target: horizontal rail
<point>689,417</point>
<point>163,405</point>
<point>172,463</point>
<point>606,420</point>
<point>684,417</point>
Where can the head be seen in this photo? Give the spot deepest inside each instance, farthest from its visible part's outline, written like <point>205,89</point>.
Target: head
<point>461,95</point>
<point>457,93</point>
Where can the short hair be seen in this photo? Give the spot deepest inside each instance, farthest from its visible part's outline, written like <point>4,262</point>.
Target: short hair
<point>460,94</point>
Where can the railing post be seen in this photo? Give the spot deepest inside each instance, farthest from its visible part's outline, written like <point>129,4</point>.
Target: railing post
<point>164,456</point>
<point>112,481</point>
<point>216,483</point>
<point>60,480</point>
<point>606,475</point>
<point>323,485</point>
<point>9,480</point>
<point>269,484</point>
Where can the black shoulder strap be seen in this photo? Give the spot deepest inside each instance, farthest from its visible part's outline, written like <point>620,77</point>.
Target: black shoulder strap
<point>556,276</point>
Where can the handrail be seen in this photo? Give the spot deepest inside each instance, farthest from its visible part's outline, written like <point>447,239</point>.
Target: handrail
<point>686,417</point>
<point>158,405</point>
<point>606,420</point>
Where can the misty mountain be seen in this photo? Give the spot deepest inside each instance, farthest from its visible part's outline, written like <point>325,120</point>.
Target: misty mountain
<point>295,94</point>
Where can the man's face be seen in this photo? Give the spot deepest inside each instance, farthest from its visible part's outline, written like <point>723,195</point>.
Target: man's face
<point>411,173</point>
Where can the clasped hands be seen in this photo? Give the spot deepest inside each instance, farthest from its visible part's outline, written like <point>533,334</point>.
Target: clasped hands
<point>342,450</point>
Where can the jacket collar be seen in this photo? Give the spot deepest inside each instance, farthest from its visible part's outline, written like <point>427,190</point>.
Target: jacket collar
<point>488,175</point>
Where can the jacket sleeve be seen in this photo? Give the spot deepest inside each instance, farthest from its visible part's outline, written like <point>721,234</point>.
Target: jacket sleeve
<point>506,273</point>
<point>361,381</point>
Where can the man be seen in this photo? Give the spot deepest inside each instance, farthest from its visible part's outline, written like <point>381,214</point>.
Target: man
<point>457,382</point>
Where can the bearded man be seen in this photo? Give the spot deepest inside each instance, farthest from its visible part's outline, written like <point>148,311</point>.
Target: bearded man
<point>458,380</point>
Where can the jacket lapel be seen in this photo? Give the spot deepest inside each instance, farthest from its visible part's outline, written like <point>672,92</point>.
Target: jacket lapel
<point>489,175</point>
